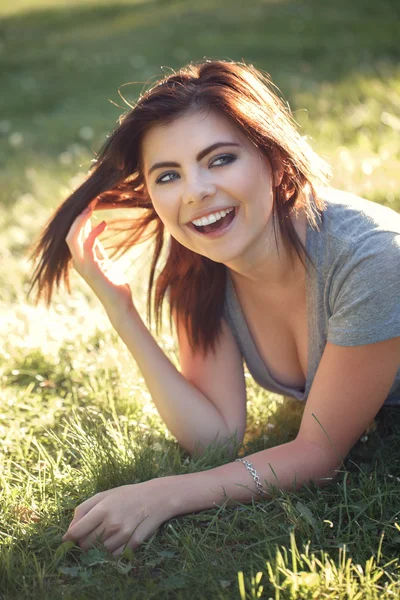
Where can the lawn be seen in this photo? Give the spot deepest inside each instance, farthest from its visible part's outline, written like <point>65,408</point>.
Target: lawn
<point>75,415</point>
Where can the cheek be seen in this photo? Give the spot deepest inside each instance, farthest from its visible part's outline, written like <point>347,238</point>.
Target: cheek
<point>250,182</point>
<point>166,208</point>
<point>168,212</point>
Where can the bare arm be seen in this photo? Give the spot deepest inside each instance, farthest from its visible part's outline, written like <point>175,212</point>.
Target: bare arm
<point>188,401</point>
<point>349,388</point>
<point>206,402</point>
<point>284,467</point>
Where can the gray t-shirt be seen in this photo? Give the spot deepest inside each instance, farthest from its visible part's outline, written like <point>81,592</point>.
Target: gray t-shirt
<point>353,297</point>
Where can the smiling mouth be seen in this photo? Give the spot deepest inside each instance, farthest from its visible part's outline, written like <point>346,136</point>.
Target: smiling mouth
<point>220,224</point>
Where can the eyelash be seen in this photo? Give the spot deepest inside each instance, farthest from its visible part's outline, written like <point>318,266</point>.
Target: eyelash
<point>231,157</point>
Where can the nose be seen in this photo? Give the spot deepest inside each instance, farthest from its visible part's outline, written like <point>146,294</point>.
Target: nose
<point>197,189</point>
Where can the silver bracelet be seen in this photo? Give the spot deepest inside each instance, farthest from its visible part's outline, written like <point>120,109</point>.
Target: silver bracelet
<point>256,478</point>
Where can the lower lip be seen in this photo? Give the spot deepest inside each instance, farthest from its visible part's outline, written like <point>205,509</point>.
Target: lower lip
<point>217,232</point>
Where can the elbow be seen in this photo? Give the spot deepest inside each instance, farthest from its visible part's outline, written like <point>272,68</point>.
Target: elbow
<point>322,465</point>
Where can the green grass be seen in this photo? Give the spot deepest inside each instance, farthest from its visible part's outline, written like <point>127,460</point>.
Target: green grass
<point>75,415</point>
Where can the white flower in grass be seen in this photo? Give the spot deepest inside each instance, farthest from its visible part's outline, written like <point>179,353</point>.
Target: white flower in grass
<point>76,149</point>
<point>367,167</point>
<point>16,139</point>
<point>86,133</point>
<point>65,158</point>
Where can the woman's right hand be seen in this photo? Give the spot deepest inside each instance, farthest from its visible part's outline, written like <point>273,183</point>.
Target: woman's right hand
<point>90,260</point>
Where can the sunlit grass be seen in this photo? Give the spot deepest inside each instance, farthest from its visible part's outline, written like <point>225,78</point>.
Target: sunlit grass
<point>75,415</point>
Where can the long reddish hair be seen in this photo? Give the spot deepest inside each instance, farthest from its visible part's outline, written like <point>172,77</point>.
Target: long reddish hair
<point>196,284</point>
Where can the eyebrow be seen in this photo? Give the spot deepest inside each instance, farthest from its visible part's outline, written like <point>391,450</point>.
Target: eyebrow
<point>199,156</point>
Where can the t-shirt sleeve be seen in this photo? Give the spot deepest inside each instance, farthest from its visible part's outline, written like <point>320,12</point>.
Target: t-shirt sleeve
<point>365,292</point>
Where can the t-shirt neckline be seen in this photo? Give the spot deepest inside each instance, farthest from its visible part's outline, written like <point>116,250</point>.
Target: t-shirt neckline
<point>297,392</point>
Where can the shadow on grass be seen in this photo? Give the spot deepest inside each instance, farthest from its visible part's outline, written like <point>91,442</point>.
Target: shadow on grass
<point>353,510</point>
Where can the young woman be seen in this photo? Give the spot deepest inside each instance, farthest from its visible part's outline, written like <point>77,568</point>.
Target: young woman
<point>265,262</point>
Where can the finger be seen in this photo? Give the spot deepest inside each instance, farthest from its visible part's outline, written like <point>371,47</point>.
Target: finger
<point>119,540</point>
<point>87,246</point>
<point>85,525</point>
<point>75,520</point>
<point>87,505</point>
<point>133,540</point>
<point>91,235</point>
<point>99,250</point>
<point>96,536</point>
<point>85,229</point>
<point>76,235</point>
<point>77,224</point>
<point>119,550</point>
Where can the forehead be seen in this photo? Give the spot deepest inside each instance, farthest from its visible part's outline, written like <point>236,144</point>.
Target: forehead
<point>190,132</point>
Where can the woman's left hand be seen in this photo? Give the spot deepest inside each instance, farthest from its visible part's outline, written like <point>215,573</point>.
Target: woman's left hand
<point>122,517</point>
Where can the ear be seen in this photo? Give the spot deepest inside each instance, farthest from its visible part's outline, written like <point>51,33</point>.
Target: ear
<point>278,170</point>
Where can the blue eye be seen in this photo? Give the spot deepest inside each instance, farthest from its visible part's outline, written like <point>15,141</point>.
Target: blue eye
<point>160,179</point>
<point>230,158</point>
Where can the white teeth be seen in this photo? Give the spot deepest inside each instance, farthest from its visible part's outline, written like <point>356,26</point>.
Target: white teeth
<point>212,218</point>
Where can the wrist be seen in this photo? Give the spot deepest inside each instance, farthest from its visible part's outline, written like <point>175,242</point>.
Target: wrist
<point>192,492</point>
<point>120,316</point>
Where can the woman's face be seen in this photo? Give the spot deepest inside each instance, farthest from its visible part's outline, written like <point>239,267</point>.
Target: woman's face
<point>199,165</point>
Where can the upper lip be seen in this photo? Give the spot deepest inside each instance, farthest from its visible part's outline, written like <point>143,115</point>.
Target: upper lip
<point>209,211</point>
